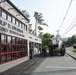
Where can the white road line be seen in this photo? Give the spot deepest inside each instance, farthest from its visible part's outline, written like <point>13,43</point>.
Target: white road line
<point>60,67</point>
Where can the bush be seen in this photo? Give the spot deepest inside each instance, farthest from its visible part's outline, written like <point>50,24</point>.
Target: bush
<point>74,50</point>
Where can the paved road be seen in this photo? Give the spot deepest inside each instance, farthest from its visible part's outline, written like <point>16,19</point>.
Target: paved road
<point>55,65</point>
<point>69,48</point>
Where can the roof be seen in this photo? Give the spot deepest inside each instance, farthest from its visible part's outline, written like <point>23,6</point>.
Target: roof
<point>17,9</point>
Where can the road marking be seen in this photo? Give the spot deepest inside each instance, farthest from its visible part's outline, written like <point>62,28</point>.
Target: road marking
<point>60,67</point>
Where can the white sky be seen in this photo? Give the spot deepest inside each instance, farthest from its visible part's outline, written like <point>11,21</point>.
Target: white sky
<point>53,12</point>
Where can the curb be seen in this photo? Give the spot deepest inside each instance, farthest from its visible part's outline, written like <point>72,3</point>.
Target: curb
<point>71,56</point>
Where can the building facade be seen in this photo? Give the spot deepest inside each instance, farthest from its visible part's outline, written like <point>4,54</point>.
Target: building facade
<point>15,39</point>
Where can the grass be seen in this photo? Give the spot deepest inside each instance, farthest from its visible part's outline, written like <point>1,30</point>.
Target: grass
<point>74,50</point>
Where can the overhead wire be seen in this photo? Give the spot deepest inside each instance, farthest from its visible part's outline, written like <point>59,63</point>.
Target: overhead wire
<point>69,29</point>
<point>70,26</point>
<point>66,14</point>
<point>70,16</point>
<point>63,10</point>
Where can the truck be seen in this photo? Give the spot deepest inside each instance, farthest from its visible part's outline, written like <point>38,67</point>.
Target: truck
<point>56,45</point>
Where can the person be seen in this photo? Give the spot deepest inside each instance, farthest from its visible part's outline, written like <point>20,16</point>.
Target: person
<point>43,50</point>
<point>31,53</point>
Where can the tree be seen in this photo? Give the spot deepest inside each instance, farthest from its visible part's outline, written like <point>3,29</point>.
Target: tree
<point>69,41</point>
<point>30,28</point>
<point>26,13</point>
<point>38,21</point>
<point>46,38</point>
<point>73,39</point>
<point>40,34</point>
<point>40,28</point>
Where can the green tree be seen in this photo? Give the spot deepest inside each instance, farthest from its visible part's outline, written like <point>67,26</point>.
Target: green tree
<point>69,41</point>
<point>30,28</point>
<point>73,39</point>
<point>46,38</point>
<point>26,13</point>
<point>40,34</point>
<point>39,21</point>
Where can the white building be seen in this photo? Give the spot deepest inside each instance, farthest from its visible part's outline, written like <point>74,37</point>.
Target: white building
<point>15,39</point>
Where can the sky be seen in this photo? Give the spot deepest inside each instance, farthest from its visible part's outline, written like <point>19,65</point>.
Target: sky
<point>53,14</point>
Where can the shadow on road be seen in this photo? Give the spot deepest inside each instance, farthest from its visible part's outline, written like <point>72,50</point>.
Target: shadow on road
<point>28,66</point>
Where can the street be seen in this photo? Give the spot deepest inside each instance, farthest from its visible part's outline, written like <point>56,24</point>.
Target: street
<point>57,65</point>
<point>47,65</point>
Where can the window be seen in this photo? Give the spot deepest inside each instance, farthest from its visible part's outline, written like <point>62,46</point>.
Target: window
<point>17,40</point>
<point>0,11</point>
<point>23,26</point>
<point>14,56</point>
<point>4,48</point>
<point>9,47</point>
<point>9,26</point>
<point>9,40</point>
<point>20,25</point>
<point>4,23</point>
<point>17,22</point>
<point>4,14</point>
<point>3,58</point>
<point>9,18</point>
<point>9,57</point>
<point>12,48</point>
<point>3,38</point>
<point>1,22</point>
<point>13,40</point>
<point>13,20</point>
<point>26,28</point>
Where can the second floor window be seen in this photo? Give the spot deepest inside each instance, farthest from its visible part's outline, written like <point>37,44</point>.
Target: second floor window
<point>4,14</point>
<point>9,18</point>
<point>17,22</point>
<point>13,20</point>
<point>20,25</point>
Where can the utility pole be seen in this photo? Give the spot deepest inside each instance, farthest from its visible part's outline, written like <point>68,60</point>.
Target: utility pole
<point>57,32</point>
<point>58,37</point>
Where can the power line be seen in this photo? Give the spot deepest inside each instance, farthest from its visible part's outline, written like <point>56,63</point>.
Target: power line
<point>66,14</point>
<point>69,30</point>
<point>63,10</point>
<point>70,25</point>
<point>74,8</point>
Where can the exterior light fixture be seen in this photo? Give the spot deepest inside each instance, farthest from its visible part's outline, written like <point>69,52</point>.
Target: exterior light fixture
<point>22,18</point>
<point>2,1</point>
<point>18,15</point>
<point>10,8</point>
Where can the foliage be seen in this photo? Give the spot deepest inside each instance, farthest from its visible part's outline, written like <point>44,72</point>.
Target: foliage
<point>38,21</point>
<point>74,46</point>
<point>26,13</point>
<point>30,28</point>
<point>74,50</point>
<point>71,41</point>
<point>40,28</point>
<point>46,38</point>
<point>40,34</point>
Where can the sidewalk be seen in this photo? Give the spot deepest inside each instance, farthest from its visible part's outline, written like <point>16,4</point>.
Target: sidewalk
<point>25,66</point>
<point>72,54</point>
